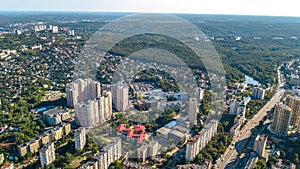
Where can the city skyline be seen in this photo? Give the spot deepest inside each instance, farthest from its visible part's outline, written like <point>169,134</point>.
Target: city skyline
<point>232,7</point>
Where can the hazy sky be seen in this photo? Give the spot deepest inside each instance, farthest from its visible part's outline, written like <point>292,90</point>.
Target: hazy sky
<point>245,7</point>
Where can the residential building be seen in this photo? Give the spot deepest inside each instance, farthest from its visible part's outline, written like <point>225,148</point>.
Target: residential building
<point>80,138</point>
<point>94,112</point>
<point>258,93</point>
<point>153,148</point>
<point>54,29</point>
<point>120,96</point>
<point>294,103</point>
<point>110,153</point>
<point>48,136</point>
<point>260,146</point>
<point>193,110</point>
<point>23,149</point>
<point>47,154</point>
<point>67,128</point>
<point>196,143</point>
<point>86,114</point>
<point>45,138</point>
<point>57,133</point>
<point>237,107</point>
<point>142,152</point>
<point>282,119</point>
<point>82,90</point>
<point>34,145</point>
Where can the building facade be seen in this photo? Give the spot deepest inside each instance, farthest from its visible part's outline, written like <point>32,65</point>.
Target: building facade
<point>80,138</point>
<point>281,119</point>
<point>198,142</point>
<point>120,97</point>
<point>260,146</point>
<point>258,93</point>
<point>47,154</point>
<point>294,103</point>
<point>193,110</point>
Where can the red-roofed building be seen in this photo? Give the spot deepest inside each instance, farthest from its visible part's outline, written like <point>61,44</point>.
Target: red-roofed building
<point>138,131</point>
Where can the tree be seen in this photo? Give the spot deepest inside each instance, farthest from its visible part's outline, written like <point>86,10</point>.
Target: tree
<point>296,158</point>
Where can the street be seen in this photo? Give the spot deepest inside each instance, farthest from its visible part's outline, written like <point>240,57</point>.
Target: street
<point>241,137</point>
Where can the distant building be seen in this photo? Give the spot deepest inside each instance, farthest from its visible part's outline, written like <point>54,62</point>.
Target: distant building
<point>294,103</point>
<point>120,97</point>
<point>47,154</point>
<point>18,32</point>
<point>193,110</point>
<point>38,28</point>
<point>282,119</point>
<point>260,146</point>
<point>80,138</point>
<point>71,32</point>
<point>54,29</point>
<point>258,93</point>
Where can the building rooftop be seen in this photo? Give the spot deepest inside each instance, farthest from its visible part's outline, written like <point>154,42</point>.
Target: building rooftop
<point>163,130</point>
<point>170,124</point>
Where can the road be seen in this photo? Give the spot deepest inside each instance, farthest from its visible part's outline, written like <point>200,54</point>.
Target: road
<point>241,137</point>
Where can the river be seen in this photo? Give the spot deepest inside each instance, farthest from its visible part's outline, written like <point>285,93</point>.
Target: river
<point>250,80</point>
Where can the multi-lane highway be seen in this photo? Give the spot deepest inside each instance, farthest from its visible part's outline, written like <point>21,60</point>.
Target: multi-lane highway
<point>241,137</point>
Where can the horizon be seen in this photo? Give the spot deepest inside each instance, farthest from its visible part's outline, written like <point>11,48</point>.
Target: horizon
<point>128,12</point>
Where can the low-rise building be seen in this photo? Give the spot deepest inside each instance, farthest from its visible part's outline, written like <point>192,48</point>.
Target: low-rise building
<point>23,149</point>
<point>50,135</point>
<point>163,134</point>
<point>34,145</point>
<point>55,116</point>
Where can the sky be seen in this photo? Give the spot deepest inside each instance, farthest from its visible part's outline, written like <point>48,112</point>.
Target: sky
<point>239,7</point>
